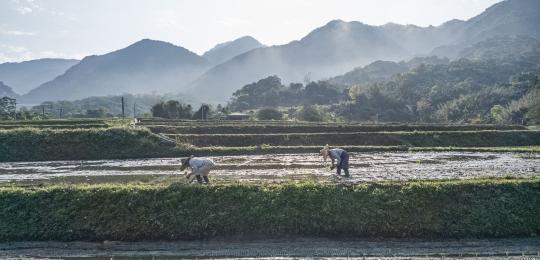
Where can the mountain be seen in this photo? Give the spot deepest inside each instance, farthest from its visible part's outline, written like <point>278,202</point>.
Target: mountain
<point>507,18</point>
<point>227,50</point>
<point>327,51</point>
<point>144,67</point>
<point>339,46</point>
<point>6,91</point>
<point>26,75</point>
<point>501,48</point>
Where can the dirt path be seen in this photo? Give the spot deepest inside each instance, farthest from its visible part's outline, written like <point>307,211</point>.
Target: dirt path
<point>376,166</point>
<point>297,248</point>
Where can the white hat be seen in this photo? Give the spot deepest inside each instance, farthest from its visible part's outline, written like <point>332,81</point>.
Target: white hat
<point>324,152</point>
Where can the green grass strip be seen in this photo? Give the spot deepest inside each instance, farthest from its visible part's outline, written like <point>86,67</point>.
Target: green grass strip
<point>426,209</point>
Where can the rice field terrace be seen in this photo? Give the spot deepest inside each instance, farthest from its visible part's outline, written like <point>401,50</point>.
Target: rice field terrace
<point>121,181</point>
<point>365,167</point>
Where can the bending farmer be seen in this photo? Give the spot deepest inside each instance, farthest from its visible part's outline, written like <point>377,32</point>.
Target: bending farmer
<point>200,167</point>
<point>340,159</point>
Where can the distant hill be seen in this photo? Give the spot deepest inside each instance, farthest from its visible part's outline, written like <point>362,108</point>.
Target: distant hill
<point>507,18</point>
<point>382,70</point>
<point>325,52</point>
<point>227,50</point>
<point>144,67</point>
<point>6,91</point>
<point>26,75</point>
<point>339,46</point>
<point>501,47</point>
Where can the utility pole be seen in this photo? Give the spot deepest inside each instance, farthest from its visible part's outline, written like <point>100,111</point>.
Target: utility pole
<point>43,110</point>
<point>123,115</point>
<point>202,112</point>
<point>134,113</point>
<point>61,111</point>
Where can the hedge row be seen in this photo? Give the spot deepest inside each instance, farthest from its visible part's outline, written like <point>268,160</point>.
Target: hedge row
<point>340,128</point>
<point>449,138</point>
<point>54,122</point>
<point>437,209</point>
<point>32,144</point>
<point>54,126</point>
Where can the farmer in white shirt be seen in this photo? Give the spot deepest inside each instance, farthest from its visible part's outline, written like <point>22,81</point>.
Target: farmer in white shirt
<point>200,167</point>
<point>340,159</point>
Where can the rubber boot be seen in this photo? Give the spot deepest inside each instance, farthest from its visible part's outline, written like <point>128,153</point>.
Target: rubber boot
<point>206,179</point>
<point>346,170</point>
<point>199,178</point>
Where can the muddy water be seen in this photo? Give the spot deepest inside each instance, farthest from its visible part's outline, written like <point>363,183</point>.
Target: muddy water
<point>278,167</point>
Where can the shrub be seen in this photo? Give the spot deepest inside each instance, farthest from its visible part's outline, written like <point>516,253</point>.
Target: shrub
<point>269,114</point>
<point>310,114</point>
<point>436,209</point>
<point>30,144</point>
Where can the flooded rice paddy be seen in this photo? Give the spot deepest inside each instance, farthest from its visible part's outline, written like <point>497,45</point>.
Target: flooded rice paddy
<point>364,167</point>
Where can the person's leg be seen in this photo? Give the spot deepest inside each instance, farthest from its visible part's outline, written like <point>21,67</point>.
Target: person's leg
<point>338,171</point>
<point>205,171</point>
<point>345,163</point>
<point>199,178</point>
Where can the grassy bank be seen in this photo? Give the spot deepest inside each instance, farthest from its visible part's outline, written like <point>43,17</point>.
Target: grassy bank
<point>30,144</point>
<point>334,128</point>
<point>423,139</point>
<point>436,209</point>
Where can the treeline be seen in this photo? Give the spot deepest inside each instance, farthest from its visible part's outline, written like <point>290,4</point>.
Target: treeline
<point>270,92</point>
<point>461,91</point>
<point>173,109</point>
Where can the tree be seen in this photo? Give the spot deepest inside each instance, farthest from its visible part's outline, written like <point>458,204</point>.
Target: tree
<point>203,112</point>
<point>158,110</point>
<point>96,113</point>
<point>497,113</point>
<point>310,114</point>
<point>172,109</point>
<point>8,108</point>
<point>269,114</point>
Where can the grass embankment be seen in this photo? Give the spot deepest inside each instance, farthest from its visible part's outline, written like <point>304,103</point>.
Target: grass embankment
<point>30,144</point>
<point>55,121</point>
<point>247,150</point>
<point>430,209</point>
<point>419,139</point>
<point>340,128</point>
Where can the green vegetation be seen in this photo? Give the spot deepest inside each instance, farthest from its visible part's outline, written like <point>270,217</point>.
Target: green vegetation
<point>269,114</point>
<point>30,144</point>
<point>491,87</point>
<point>269,92</point>
<point>99,107</point>
<point>429,139</point>
<point>428,209</point>
<point>254,128</point>
<point>85,139</point>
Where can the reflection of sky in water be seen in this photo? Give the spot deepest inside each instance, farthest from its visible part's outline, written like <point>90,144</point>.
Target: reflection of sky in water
<point>364,166</point>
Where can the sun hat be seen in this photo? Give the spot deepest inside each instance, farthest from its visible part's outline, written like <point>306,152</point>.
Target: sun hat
<point>324,152</point>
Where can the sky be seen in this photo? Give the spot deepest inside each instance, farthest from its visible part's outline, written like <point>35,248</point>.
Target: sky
<point>31,29</point>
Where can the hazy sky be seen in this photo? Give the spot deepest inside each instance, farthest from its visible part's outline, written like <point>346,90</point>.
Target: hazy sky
<point>32,29</point>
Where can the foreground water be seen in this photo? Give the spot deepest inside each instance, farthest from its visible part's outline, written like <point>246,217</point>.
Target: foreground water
<point>302,248</point>
<point>376,166</point>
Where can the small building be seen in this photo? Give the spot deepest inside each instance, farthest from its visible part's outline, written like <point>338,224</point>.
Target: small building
<point>236,116</point>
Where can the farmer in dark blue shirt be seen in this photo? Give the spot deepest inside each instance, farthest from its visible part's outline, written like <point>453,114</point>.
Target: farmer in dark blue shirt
<point>340,159</point>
